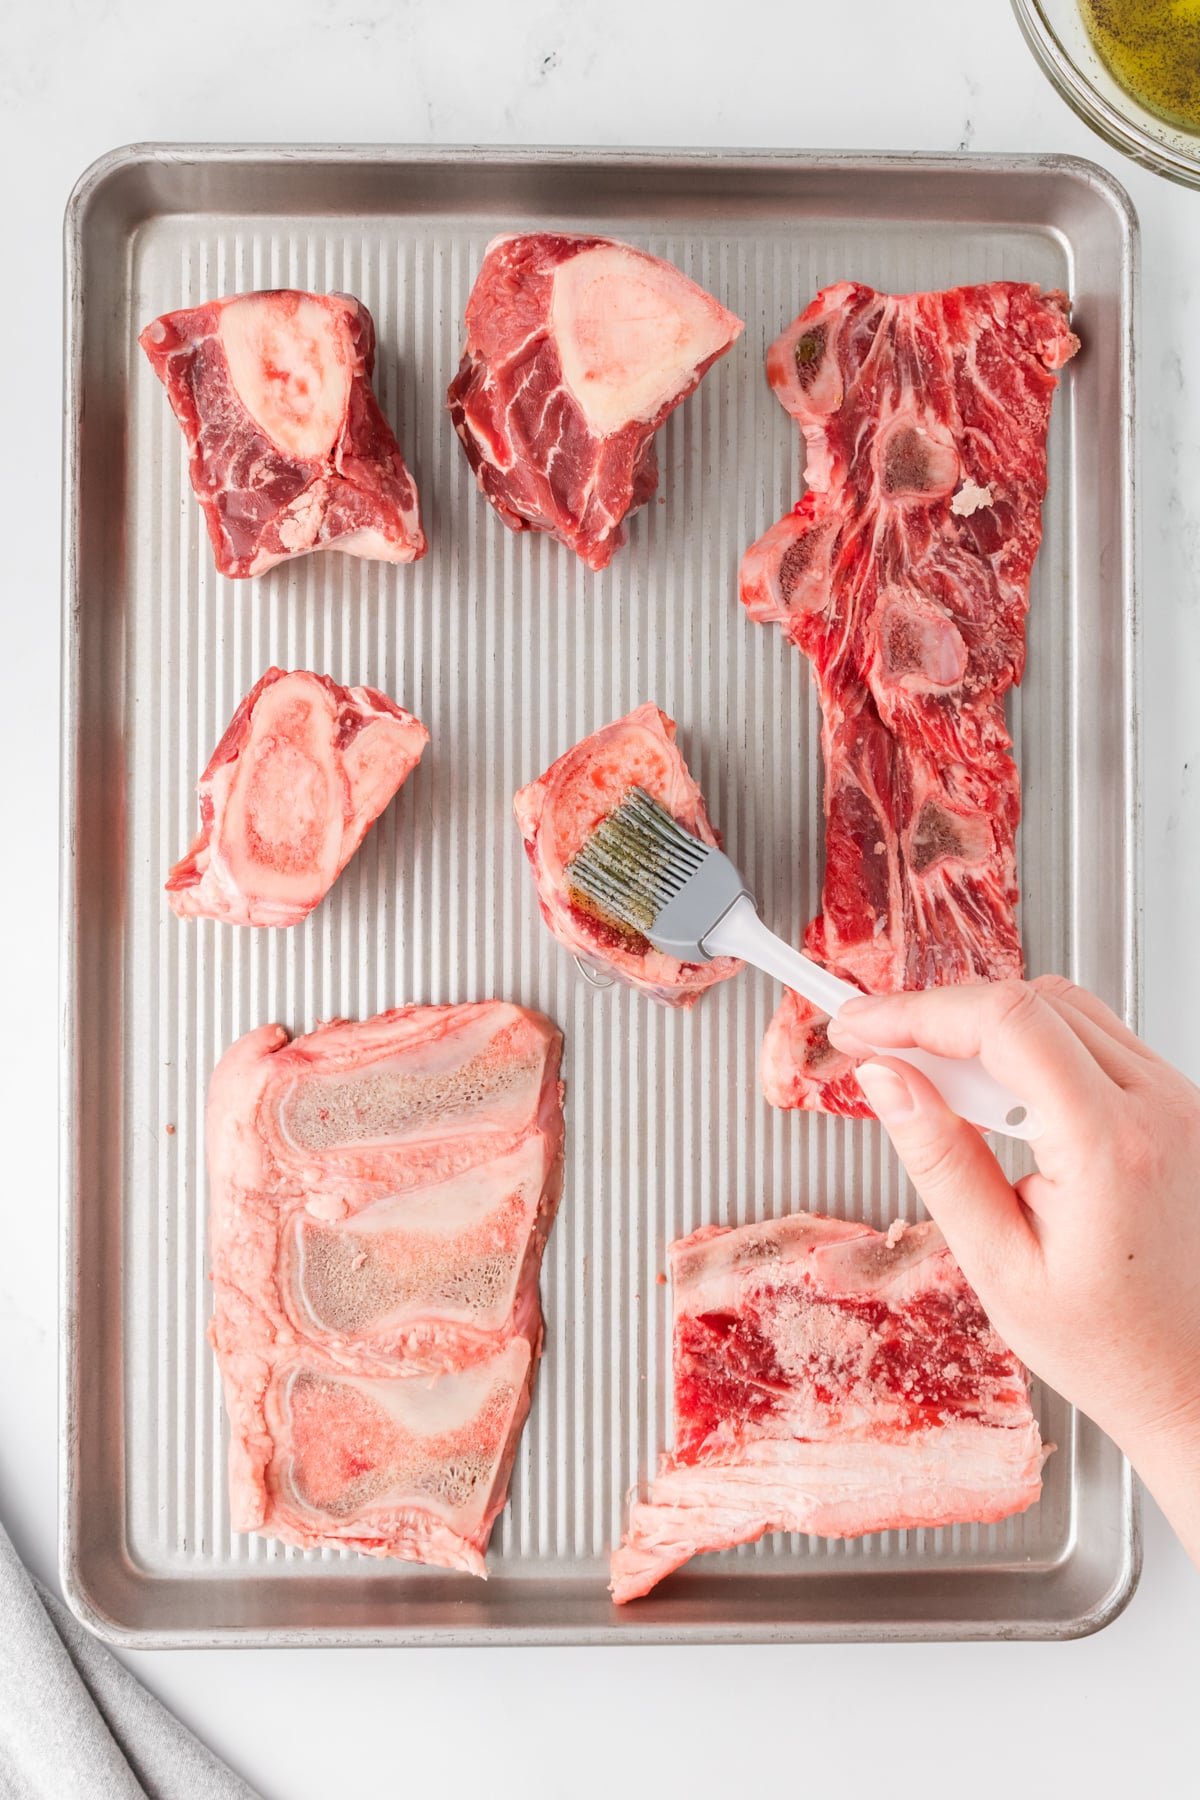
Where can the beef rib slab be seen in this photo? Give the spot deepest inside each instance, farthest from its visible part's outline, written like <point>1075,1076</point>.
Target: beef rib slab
<point>903,574</point>
<point>828,1379</point>
<point>559,811</point>
<point>288,448</point>
<point>381,1194</point>
<point>303,771</point>
<point>577,350</point>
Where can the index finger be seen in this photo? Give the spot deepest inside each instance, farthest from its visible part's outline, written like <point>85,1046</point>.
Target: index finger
<point>1017,1035</point>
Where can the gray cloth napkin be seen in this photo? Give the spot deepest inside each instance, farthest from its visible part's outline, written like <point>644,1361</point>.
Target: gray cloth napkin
<point>74,1724</point>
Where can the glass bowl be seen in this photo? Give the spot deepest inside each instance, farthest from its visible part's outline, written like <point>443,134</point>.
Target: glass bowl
<point>1058,37</point>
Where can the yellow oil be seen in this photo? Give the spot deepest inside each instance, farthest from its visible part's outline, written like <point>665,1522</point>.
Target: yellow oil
<point>1152,47</point>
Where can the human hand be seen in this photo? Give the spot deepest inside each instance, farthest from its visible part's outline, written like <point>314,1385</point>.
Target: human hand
<point>1089,1269</point>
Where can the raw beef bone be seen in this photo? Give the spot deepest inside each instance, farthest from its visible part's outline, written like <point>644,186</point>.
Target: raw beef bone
<point>577,350</point>
<point>903,574</point>
<point>828,1379</point>
<point>288,449</point>
<point>559,811</point>
<point>381,1194</point>
<point>303,771</point>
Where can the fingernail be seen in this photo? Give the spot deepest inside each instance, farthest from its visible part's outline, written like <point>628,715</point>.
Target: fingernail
<point>888,1094</point>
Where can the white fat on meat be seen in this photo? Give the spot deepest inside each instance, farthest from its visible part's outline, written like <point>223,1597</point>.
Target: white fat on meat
<point>828,1379</point>
<point>970,497</point>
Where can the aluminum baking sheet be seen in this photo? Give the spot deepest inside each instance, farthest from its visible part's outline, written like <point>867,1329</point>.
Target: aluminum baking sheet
<point>510,651</point>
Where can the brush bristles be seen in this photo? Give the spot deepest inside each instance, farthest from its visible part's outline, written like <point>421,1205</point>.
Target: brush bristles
<point>635,861</point>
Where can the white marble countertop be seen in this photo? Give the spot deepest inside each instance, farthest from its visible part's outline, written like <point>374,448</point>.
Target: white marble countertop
<point>76,78</point>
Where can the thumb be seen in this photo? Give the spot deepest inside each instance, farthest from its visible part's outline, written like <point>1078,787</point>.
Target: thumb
<point>955,1173</point>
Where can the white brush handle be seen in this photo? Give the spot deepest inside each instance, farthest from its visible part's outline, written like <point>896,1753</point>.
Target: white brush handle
<point>963,1083</point>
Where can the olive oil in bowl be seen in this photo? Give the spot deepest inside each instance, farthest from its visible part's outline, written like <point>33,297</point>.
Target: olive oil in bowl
<point>1152,47</point>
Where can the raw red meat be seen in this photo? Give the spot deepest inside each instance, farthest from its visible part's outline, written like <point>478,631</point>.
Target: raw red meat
<point>303,771</point>
<point>288,449</point>
<point>577,349</point>
<point>381,1194</point>
<point>557,814</point>
<point>903,574</point>
<point>828,1379</point>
